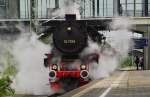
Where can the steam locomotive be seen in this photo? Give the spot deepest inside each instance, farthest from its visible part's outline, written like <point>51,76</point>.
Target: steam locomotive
<point>67,69</point>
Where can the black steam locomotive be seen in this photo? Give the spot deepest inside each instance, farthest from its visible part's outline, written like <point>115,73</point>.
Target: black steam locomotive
<point>70,38</point>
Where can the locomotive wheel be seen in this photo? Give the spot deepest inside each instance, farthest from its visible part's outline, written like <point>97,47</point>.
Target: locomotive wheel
<point>69,83</point>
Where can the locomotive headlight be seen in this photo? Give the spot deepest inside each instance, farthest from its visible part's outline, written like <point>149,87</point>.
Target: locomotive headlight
<point>69,28</point>
<point>54,67</point>
<point>84,74</point>
<point>82,67</point>
<point>52,74</point>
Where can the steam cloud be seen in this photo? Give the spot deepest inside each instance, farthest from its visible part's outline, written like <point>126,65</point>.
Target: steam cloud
<point>28,52</point>
<point>113,53</point>
<point>3,51</point>
<point>68,7</point>
<point>32,77</point>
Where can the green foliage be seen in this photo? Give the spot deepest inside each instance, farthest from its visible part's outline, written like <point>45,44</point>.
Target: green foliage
<point>5,89</point>
<point>127,62</point>
<point>10,71</point>
<point>10,65</point>
<point>5,77</point>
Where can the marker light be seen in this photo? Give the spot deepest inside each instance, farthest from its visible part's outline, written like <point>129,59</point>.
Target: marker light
<point>83,67</point>
<point>54,67</point>
<point>69,28</point>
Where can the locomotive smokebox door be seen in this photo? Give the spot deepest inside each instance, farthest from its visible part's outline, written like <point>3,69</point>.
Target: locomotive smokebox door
<point>70,36</point>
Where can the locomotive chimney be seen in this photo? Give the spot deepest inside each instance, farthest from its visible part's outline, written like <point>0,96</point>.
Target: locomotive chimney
<point>70,17</point>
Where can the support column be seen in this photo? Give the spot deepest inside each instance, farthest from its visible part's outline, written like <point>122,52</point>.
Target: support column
<point>145,7</point>
<point>93,7</point>
<point>56,3</point>
<point>147,49</point>
<point>116,7</point>
<point>32,15</point>
<point>148,54</point>
<point>134,8</point>
<point>97,7</point>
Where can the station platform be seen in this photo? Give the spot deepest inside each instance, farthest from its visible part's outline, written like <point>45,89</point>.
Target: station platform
<point>124,83</point>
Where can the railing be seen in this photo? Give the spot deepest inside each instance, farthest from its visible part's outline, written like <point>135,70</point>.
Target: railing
<point>88,18</point>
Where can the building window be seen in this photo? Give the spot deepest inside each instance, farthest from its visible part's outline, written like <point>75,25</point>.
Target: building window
<point>24,8</point>
<point>138,10</point>
<point>43,8</point>
<point>132,7</point>
<point>97,8</point>
<point>3,8</point>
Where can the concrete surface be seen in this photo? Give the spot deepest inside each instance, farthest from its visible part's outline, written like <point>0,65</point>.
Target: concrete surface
<point>120,84</point>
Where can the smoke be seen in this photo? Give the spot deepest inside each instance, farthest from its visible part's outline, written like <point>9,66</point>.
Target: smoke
<point>32,77</point>
<point>5,46</point>
<point>68,7</point>
<point>3,49</point>
<point>113,52</point>
<point>28,52</point>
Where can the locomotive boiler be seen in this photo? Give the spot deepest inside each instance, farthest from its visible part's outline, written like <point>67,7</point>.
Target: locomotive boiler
<point>67,69</point>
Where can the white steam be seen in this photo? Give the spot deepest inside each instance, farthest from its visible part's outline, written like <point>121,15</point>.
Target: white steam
<point>4,47</point>
<point>111,54</point>
<point>28,52</point>
<point>68,7</point>
<point>32,77</point>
